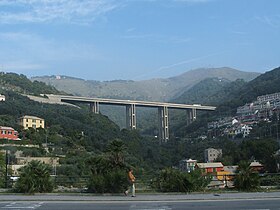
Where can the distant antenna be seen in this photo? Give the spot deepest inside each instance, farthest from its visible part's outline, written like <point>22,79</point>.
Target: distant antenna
<point>2,68</point>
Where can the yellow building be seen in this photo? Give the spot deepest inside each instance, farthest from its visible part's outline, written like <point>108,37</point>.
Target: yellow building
<point>31,122</point>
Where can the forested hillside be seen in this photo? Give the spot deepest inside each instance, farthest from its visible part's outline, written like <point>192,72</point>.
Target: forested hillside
<point>211,91</point>
<point>21,84</point>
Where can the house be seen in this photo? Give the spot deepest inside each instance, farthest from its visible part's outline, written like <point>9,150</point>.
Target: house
<point>256,166</point>
<point>210,167</point>
<point>211,154</point>
<point>8,133</point>
<point>31,122</point>
<point>187,165</point>
<point>227,174</point>
<point>2,97</point>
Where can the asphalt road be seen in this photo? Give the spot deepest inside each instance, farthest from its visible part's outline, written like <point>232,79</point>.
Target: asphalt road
<point>225,201</point>
<point>271,204</point>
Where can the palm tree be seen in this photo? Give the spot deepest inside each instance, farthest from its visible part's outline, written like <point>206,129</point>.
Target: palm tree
<point>116,151</point>
<point>34,177</point>
<point>246,178</point>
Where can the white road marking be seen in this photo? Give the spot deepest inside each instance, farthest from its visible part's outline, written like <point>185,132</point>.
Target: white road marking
<point>155,207</point>
<point>15,205</point>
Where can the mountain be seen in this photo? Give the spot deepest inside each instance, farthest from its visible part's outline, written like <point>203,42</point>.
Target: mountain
<point>152,90</point>
<point>266,83</point>
<point>210,91</point>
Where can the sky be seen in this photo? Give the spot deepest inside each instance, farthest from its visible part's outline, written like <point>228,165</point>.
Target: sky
<point>137,39</point>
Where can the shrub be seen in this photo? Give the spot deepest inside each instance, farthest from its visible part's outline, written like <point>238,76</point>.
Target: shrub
<point>114,181</point>
<point>34,177</point>
<point>172,180</point>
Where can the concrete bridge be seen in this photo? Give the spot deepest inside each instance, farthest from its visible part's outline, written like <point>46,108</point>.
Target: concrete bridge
<point>131,105</point>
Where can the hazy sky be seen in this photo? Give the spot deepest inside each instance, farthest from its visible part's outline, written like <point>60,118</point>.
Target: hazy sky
<point>137,39</point>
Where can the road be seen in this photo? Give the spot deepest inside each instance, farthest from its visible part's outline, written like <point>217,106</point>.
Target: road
<point>228,201</point>
<point>271,204</point>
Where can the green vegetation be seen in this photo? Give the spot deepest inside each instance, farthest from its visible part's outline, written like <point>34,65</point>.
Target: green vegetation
<point>109,170</point>
<point>21,84</point>
<point>246,178</point>
<point>172,180</point>
<point>2,170</point>
<point>34,177</point>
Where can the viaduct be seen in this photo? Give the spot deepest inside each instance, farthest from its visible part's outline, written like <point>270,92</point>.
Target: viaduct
<point>131,105</point>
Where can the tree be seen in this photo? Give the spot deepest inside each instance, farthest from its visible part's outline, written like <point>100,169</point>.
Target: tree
<point>115,152</point>
<point>246,179</point>
<point>109,170</point>
<point>34,177</point>
<point>2,169</point>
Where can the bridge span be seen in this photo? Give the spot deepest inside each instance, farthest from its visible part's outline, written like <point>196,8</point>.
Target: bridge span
<point>131,109</point>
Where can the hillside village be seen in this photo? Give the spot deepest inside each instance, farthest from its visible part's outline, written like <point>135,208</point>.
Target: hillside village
<point>265,109</point>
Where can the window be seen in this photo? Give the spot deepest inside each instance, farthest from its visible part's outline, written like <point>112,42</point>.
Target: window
<point>34,121</point>
<point>26,120</point>
<point>26,125</point>
<point>34,126</point>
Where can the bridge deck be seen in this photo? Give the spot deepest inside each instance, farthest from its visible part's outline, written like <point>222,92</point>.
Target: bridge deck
<point>79,99</point>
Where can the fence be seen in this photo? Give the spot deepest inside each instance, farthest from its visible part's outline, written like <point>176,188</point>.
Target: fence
<point>144,183</point>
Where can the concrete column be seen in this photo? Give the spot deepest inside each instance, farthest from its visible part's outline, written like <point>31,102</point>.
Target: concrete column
<point>163,124</point>
<point>94,107</point>
<point>191,115</point>
<point>131,116</point>
<point>194,114</point>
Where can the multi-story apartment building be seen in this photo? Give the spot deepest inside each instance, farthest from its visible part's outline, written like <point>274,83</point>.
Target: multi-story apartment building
<point>187,165</point>
<point>31,122</point>
<point>8,133</point>
<point>212,154</point>
<point>263,108</point>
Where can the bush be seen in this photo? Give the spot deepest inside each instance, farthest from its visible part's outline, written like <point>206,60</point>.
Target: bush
<point>114,181</point>
<point>172,180</point>
<point>34,177</point>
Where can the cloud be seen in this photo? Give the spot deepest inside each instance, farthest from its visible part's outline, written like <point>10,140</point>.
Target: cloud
<point>192,1</point>
<point>156,38</point>
<point>69,11</point>
<point>171,66</point>
<point>271,21</point>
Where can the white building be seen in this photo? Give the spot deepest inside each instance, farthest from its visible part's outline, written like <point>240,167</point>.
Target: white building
<point>2,98</point>
<point>187,165</point>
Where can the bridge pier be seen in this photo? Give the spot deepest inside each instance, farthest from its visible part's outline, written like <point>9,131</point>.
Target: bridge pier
<point>94,107</point>
<point>191,115</point>
<point>163,123</point>
<point>131,116</point>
